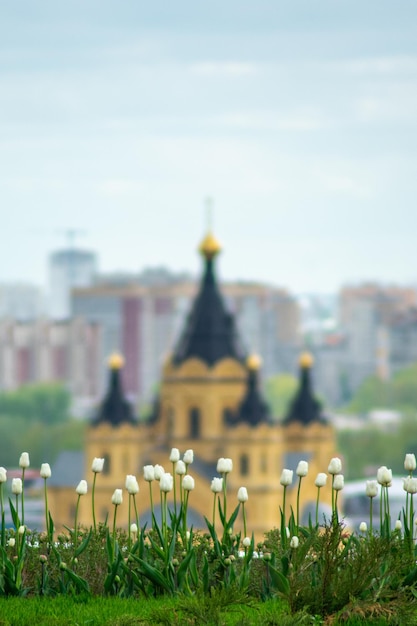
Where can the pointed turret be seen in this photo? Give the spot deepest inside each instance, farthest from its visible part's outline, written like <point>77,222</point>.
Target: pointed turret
<point>253,410</point>
<point>114,409</point>
<point>210,333</point>
<point>305,408</point>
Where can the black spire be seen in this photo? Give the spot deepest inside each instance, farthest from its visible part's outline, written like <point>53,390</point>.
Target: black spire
<point>114,409</point>
<point>304,407</point>
<point>253,410</point>
<point>210,332</point>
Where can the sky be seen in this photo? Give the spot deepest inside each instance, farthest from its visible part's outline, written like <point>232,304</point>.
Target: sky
<point>119,118</point>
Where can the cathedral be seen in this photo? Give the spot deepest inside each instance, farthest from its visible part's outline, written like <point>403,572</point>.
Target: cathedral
<point>209,401</point>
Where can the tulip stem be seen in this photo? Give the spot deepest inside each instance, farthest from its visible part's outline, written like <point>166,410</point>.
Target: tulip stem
<point>23,496</point>
<point>46,509</point>
<point>175,488</point>
<point>136,512</point>
<point>370,515</point>
<point>76,522</point>
<point>214,509</point>
<point>317,506</point>
<point>3,529</point>
<point>298,501</point>
<point>151,499</point>
<point>114,528</point>
<point>244,520</point>
<point>92,502</point>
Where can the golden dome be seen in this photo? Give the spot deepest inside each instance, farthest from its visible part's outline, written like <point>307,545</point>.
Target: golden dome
<point>253,362</point>
<point>116,361</point>
<point>306,360</point>
<point>209,247</point>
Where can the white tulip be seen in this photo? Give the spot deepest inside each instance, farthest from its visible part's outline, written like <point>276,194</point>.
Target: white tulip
<point>180,468</point>
<point>338,482</point>
<point>224,466</point>
<point>371,489</point>
<point>131,484</point>
<point>294,542</point>
<point>117,497</point>
<point>188,483</point>
<point>363,527</point>
<point>175,455</point>
<point>45,470</point>
<point>24,460</point>
<point>335,466</point>
<point>286,477</point>
<point>21,530</point>
<point>217,485</point>
<point>11,542</point>
<point>17,486</point>
<point>321,479</point>
<point>149,473</point>
<point>398,525</point>
<point>97,465</point>
<point>158,471</point>
<point>133,529</point>
<point>166,482</point>
<point>302,469</point>
<point>82,488</point>
<point>410,462</point>
<point>384,476</point>
<point>188,457</point>
<point>246,542</point>
<point>3,474</point>
<point>410,485</point>
<point>242,494</point>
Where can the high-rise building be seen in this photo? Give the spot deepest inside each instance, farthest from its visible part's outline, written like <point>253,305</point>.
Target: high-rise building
<point>68,269</point>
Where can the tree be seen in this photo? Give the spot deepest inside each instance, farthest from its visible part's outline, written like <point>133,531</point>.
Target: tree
<point>279,391</point>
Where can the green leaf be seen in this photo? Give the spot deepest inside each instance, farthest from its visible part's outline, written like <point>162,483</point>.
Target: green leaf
<point>279,581</point>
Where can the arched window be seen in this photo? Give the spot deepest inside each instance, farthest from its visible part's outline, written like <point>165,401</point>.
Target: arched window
<point>227,416</point>
<point>195,423</point>
<point>244,464</point>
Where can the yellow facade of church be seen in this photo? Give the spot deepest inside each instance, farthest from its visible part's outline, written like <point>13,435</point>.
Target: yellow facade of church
<point>197,399</point>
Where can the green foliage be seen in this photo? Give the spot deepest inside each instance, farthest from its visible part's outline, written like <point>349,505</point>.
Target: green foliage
<point>398,393</point>
<point>48,403</point>
<point>363,450</point>
<point>279,391</point>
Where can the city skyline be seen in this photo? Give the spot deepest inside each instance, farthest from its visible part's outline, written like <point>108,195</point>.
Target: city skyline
<point>298,120</point>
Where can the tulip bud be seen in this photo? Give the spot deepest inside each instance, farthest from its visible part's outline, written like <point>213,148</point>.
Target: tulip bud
<point>133,529</point>
<point>410,485</point>
<point>338,482</point>
<point>242,494</point>
<point>246,542</point>
<point>224,466</point>
<point>398,525</point>
<point>294,542</point>
<point>131,484</point>
<point>97,465</point>
<point>82,488</point>
<point>149,473</point>
<point>180,468</point>
<point>335,466</point>
<point>321,479</point>
<point>117,497</point>
<point>188,457</point>
<point>217,485</point>
<point>158,471</point>
<point>45,470</point>
<point>3,474</point>
<point>24,460</point>
<point>166,483</point>
<point>302,469</point>
<point>410,462</point>
<point>286,477</point>
<point>188,483</point>
<point>363,527</point>
<point>384,476</point>
<point>17,486</point>
<point>175,455</point>
<point>21,530</point>
<point>371,489</point>
<point>11,542</point>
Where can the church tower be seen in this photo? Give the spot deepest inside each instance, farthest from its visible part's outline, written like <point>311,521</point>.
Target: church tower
<point>308,436</point>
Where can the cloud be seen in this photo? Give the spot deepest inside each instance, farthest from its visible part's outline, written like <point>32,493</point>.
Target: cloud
<point>119,186</point>
<point>223,68</point>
